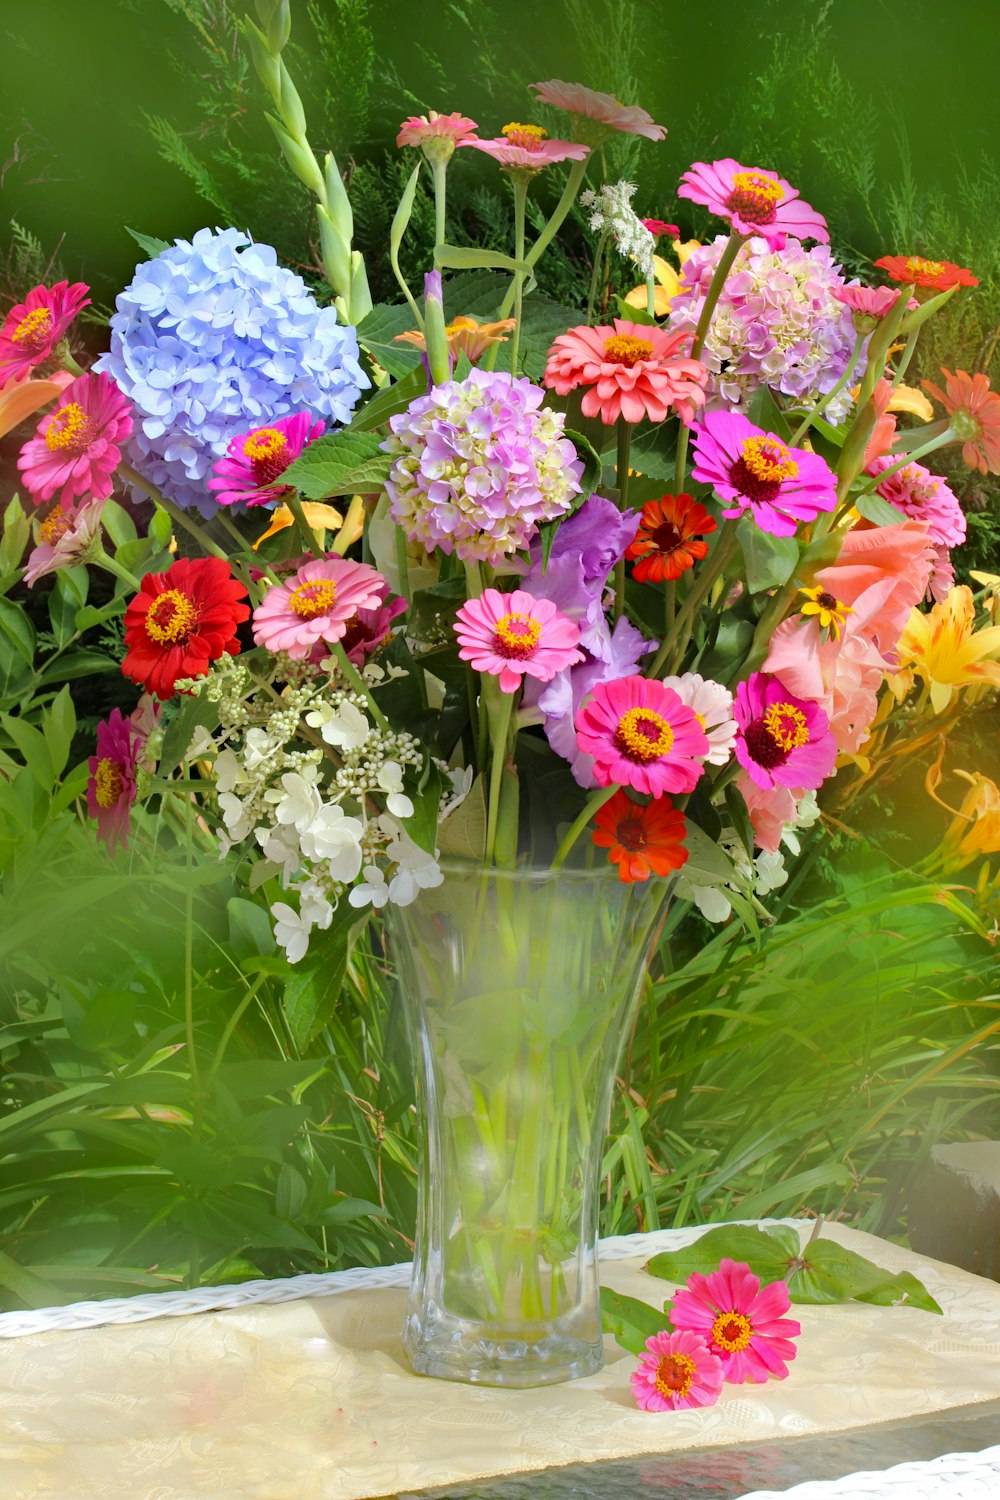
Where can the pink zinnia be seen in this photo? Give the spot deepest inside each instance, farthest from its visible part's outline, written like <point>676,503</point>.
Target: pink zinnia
<point>75,449</point>
<point>368,628</point>
<point>754,200</point>
<point>65,537</point>
<point>523,148</point>
<point>33,328</point>
<point>924,497</point>
<point>660,227</point>
<point>632,370</point>
<point>454,128</point>
<point>516,635</point>
<point>641,735</point>
<point>867,302</point>
<point>316,604</point>
<point>779,485</point>
<point>677,1370</point>
<point>743,1325</point>
<point>111,788</point>
<point>602,109</point>
<point>782,738</point>
<point>255,460</point>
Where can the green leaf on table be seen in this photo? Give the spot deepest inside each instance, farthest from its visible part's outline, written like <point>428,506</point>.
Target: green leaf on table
<point>767,1252</point>
<point>878,511</point>
<point>832,1273</point>
<point>769,560</point>
<point>632,1322</point>
<point>347,462</point>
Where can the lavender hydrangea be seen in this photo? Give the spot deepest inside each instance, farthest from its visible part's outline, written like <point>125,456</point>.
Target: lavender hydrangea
<point>478,464</point>
<point>211,338</point>
<point>777,322</point>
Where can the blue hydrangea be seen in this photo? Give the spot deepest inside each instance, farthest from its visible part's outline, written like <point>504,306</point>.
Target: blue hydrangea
<point>212,338</point>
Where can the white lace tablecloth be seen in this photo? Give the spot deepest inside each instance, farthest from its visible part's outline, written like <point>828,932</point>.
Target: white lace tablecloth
<point>312,1398</point>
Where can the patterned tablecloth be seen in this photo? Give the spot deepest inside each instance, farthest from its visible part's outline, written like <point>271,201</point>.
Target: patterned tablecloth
<point>313,1399</point>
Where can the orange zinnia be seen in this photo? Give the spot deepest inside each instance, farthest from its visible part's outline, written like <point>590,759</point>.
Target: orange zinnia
<point>914,270</point>
<point>974,416</point>
<point>665,542</point>
<point>641,841</point>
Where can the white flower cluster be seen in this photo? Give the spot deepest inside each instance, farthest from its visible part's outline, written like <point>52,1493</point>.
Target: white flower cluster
<point>613,214</point>
<point>765,873</point>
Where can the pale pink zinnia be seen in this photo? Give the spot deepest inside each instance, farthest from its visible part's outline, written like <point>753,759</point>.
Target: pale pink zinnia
<point>924,497</point>
<point>33,328</point>
<point>417,130</point>
<point>523,148</point>
<point>315,605</point>
<point>632,370</point>
<point>602,109</point>
<point>641,735</point>
<point>65,537</point>
<point>111,788</point>
<point>677,1370</point>
<point>254,462</point>
<point>712,705</point>
<point>780,486</point>
<point>753,200</point>
<point>75,450</point>
<point>516,635</point>
<point>743,1324</point>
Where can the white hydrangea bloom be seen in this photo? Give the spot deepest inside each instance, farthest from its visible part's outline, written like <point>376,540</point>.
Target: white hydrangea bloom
<point>372,891</point>
<point>300,802</point>
<point>390,780</point>
<point>291,931</point>
<point>344,726</point>
<point>334,837</point>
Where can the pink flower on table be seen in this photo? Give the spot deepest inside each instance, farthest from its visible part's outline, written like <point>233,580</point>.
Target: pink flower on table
<point>780,486</point>
<point>601,109</point>
<point>65,537</point>
<point>33,328</point>
<point>455,129</point>
<point>316,604</point>
<point>523,148</point>
<point>677,1370</point>
<point>742,1324</point>
<point>21,397</point>
<point>75,450</point>
<point>632,370</point>
<point>516,635</point>
<point>659,227</point>
<point>753,200</point>
<point>255,460</point>
<point>782,738</point>
<point>641,735</point>
<point>111,788</point>
<point>924,497</point>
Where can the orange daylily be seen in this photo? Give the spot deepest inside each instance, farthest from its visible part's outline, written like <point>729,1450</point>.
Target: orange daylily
<point>321,518</point>
<point>465,336</point>
<point>975,828</point>
<point>19,398</point>
<point>945,649</point>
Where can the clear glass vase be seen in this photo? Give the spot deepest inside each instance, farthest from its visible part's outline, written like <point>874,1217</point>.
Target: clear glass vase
<point>518,989</point>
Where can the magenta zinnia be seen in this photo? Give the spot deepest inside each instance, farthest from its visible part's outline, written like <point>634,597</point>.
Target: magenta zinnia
<point>753,200</point>
<point>516,635</point>
<point>254,461</point>
<point>782,739</point>
<point>743,1325</point>
<point>33,328</point>
<point>315,605</point>
<point>75,449</point>
<point>780,486</point>
<point>111,788</point>
<point>677,1370</point>
<point>641,735</point>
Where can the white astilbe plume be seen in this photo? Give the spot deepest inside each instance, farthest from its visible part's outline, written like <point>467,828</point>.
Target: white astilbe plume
<point>613,214</point>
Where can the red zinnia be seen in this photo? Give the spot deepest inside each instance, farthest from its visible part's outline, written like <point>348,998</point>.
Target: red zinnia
<point>664,544</point>
<point>973,415</point>
<point>914,270</point>
<point>180,621</point>
<point>641,841</point>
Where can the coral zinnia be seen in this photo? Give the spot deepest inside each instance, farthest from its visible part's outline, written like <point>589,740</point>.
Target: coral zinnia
<point>255,460</point>
<point>641,841</point>
<point>75,449</point>
<point>513,635</point>
<point>316,604</point>
<point>753,200</point>
<point>111,788</point>
<point>522,148</point>
<point>782,738</point>
<point>777,484</point>
<point>914,270</point>
<point>454,130</point>
<point>180,621</point>
<point>677,1370</point>
<point>974,416</point>
<point>590,105</point>
<point>641,735</point>
<point>665,545</point>
<point>632,370</point>
<point>744,1326</point>
<point>32,329</point>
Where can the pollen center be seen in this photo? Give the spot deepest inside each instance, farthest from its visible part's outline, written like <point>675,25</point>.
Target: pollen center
<point>267,451</point>
<point>732,1331</point>
<point>674,1374</point>
<point>516,636</point>
<point>626,349</point>
<point>107,782</point>
<point>667,537</point>
<point>828,601</point>
<point>55,526</point>
<point>34,330</point>
<point>787,726</point>
<point>170,618</point>
<point>70,430</point>
<point>762,468</point>
<point>643,735</point>
<point>528,137</point>
<point>755,197</point>
<point>630,834</point>
<point>310,600</point>
<point>917,266</point>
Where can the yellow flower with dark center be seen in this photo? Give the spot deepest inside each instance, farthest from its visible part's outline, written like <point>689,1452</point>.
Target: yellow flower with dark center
<point>831,611</point>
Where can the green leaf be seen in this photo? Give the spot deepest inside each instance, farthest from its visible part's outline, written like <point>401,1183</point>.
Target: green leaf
<point>250,934</point>
<point>401,217</point>
<point>635,314</point>
<point>31,1289</point>
<point>770,560</point>
<point>764,411</point>
<point>901,1290</point>
<point>341,463</point>
<point>85,663</point>
<point>346,1210</point>
<point>16,536</point>
<point>148,242</point>
<point>707,863</point>
<point>468,258</point>
<point>767,1252</point>
<point>33,747</point>
<point>462,835</point>
<point>737,809</point>
<point>17,630</point>
<point>422,827</point>
<point>387,402</point>
<point>66,599</point>
<point>632,1322</point>
<point>878,511</point>
<point>59,727</point>
<point>118,524</point>
<point>193,712</point>
<point>252,1080</point>
<point>377,333</point>
<point>832,1273</point>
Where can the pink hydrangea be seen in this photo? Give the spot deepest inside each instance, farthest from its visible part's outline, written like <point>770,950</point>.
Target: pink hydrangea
<point>641,735</point>
<point>924,497</point>
<point>516,635</point>
<point>255,461</point>
<point>602,109</point>
<point>753,200</point>
<point>75,450</point>
<point>780,486</point>
<point>677,1370</point>
<point>65,537</point>
<point>315,605</point>
<point>782,738</point>
<point>111,788</point>
<point>455,129</point>
<point>743,1325</point>
<point>33,328</point>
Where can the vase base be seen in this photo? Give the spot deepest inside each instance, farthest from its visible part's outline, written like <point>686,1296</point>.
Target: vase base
<point>506,1355</point>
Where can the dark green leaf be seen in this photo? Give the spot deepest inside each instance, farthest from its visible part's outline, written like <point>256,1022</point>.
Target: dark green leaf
<point>148,242</point>
<point>878,511</point>
<point>250,933</point>
<point>377,332</point>
<point>341,463</point>
<point>770,560</point>
<point>422,827</point>
<point>768,1253</point>
<point>192,713</point>
<point>632,1322</point>
<point>391,399</point>
<point>832,1273</point>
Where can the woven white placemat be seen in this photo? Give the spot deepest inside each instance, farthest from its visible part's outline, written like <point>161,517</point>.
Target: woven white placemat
<point>953,1476</point>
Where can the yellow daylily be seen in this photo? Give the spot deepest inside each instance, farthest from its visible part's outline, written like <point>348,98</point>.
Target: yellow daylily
<point>991,582</point>
<point>321,519</point>
<point>975,828</point>
<point>668,282</point>
<point>945,649</point>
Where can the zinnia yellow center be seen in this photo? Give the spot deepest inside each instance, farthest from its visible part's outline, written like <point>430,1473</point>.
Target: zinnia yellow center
<point>528,137</point>
<point>310,600</point>
<point>33,328</point>
<point>787,726</point>
<point>55,526</point>
<point>644,735</point>
<point>917,266</point>
<point>516,636</point>
<point>107,782</point>
<point>70,430</point>
<point>267,442</point>
<point>732,1331</point>
<point>626,349</point>
<point>674,1374</point>
<point>755,197</point>
<point>170,618</point>
<point>768,460</point>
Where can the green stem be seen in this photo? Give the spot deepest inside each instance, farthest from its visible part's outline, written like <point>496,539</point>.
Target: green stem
<point>310,540</point>
<point>595,277</point>
<point>733,246</point>
<point>500,724</point>
<point>682,629</point>
<point>577,172</point>
<point>874,480</point>
<point>907,355</point>
<point>824,402</point>
<point>403,564</point>
<point>593,804</point>
<point>177,515</point>
<point>621,478</point>
<point>439,172</point>
<point>103,560</point>
<point>358,683</point>
<point>651,295</point>
<point>519,185</point>
<point>194,1269</point>
<point>670,605</point>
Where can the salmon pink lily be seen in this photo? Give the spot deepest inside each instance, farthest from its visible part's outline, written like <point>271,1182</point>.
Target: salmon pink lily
<point>677,1370</point>
<point>753,200</point>
<point>743,1325</point>
<point>511,636</point>
<point>642,735</point>
<point>33,328</point>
